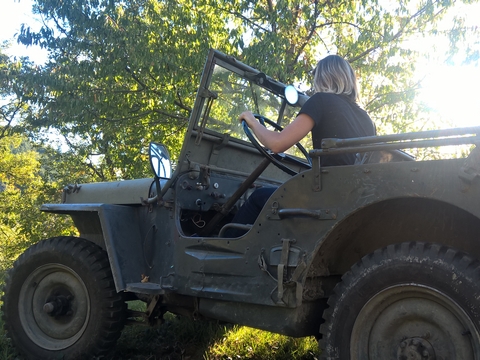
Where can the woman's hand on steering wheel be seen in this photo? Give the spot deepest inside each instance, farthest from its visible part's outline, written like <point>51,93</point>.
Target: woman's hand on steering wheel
<point>247,119</point>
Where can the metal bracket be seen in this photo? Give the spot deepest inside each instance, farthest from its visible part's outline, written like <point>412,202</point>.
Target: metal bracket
<point>70,189</point>
<point>470,170</point>
<point>282,280</point>
<point>282,270</point>
<point>211,96</point>
<point>317,174</point>
<point>282,274</point>
<point>204,183</point>
<point>150,312</point>
<point>216,150</point>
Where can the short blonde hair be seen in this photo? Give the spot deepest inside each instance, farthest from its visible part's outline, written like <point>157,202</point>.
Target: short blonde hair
<point>334,74</point>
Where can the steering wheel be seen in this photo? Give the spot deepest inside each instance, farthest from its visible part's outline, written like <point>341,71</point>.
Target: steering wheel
<point>276,159</point>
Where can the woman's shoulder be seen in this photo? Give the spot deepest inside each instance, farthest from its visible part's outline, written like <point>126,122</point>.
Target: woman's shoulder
<point>321,98</point>
<point>325,102</point>
<point>331,100</point>
<point>325,96</point>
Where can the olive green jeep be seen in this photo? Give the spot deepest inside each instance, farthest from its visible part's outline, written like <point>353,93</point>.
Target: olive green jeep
<point>378,260</point>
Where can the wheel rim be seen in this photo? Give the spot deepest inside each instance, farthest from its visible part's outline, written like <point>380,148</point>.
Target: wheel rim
<point>412,321</point>
<point>54,307</point>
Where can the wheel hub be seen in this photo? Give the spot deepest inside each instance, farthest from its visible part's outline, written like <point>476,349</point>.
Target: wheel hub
<point>415,348</point>
<point>58,305</point>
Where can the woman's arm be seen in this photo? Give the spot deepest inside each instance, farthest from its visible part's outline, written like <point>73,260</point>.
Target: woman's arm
<point>279,141</point>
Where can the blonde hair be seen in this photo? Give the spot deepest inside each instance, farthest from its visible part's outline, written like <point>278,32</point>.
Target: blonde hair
<point>334,74</point>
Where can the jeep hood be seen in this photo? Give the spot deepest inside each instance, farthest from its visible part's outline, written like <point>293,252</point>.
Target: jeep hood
<point>118,192</point>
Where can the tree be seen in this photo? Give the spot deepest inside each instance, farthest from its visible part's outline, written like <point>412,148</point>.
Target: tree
<point>288,37</point>
<point>24,186</point>
<point>30,175</point>
<point>14,105</point>
<point>122,74</point>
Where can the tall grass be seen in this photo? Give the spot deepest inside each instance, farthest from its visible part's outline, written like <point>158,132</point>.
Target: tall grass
<point>7,352</point>
<point>246,343</point>
<point>180,338</point>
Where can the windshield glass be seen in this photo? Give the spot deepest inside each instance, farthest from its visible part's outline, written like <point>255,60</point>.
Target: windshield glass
<point>237,94</point>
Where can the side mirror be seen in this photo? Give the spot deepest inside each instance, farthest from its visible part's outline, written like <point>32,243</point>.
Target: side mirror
<point>291,94</point>
<point>160,161</point>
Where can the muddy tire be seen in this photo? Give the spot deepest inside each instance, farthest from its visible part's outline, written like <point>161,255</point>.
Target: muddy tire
<point>406,301</point>
<point>60,302</point>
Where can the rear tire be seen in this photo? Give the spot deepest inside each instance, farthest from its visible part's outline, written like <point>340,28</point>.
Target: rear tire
<point>60,301</point>
<point>406,301</point>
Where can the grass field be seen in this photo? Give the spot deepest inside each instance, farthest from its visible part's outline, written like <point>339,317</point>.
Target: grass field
<point>180,338</point>
<point>185,339</point>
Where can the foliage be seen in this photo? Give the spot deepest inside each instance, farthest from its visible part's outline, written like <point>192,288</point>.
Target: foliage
<point>29,175</point>
<point>124,73</point>
<point>16,179</point>
<point>7,351</point>
<point>14,88</point>
<point>24,186</point>
<point>120,76</point>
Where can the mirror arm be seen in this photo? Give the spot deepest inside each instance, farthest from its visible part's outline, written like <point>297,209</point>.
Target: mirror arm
<point>149,201</point>
<point>158,188</point>
<point>157,198</point>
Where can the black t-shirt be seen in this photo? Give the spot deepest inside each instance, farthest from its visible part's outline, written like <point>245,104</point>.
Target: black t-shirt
<point>336,116</point>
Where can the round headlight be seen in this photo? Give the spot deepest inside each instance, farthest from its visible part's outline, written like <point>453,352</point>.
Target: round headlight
<point>291,94</point>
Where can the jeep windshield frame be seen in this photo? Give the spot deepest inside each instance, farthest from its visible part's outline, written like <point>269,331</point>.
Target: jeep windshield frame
<point>231,87</point>
<point>215,139</point>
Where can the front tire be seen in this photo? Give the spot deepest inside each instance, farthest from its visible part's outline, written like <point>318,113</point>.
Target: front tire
<point>406,301</point>
<point>60,301</point>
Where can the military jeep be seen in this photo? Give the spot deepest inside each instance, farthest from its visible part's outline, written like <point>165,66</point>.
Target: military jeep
<point>378,260</point>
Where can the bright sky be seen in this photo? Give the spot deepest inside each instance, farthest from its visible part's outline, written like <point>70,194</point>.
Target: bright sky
<point>452,91</point>
<point>12,16</point>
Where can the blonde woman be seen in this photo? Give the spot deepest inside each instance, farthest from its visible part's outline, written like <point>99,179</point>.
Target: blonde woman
<point>332,112</point>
